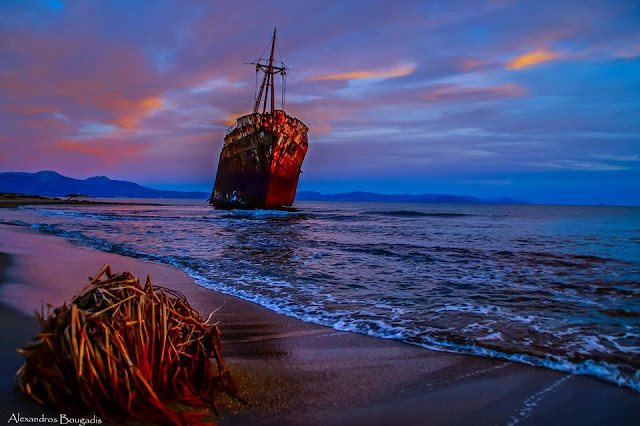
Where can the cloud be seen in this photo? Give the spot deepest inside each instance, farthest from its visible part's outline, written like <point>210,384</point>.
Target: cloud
<point>578,165</point>
<point>27,109</point>
<point>91,83</point>
<point>456,93</point>
<point>212,84</point>
<point>140,111</point>
<point>535,57</point>
<point>110,151</point>
<point>627,51</point>
<point>398,71</point>
<point>618,158</point>
<point>231,118</point>
<point>47,123</point>
<point>320,127</point>
<point>83,148</point>
<point>471,64</point>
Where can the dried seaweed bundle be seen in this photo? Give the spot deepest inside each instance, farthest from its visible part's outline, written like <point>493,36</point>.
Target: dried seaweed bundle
<point>124,352</point>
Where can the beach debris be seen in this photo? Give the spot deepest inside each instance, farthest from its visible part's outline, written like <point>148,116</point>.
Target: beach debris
<point>126,352</point>
<point>72,196</point>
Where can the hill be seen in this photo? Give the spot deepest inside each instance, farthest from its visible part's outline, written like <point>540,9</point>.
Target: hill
<point>403,198</point>
<point>54,184</point>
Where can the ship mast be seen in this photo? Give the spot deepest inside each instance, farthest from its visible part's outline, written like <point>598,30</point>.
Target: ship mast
<point>267,87</point>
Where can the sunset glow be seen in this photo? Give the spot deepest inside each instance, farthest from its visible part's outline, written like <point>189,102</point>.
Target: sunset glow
<point>532,58</point>
<point>397,99</point>
<point>399,71</point>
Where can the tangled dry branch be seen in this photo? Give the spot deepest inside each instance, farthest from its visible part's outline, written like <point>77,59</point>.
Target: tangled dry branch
<point>126,352</point>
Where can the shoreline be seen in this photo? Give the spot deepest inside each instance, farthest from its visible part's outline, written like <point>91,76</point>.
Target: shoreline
<point>296,372</point>
<point>27,200</point>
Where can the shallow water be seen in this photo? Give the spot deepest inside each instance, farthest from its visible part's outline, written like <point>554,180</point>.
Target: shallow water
<point>556,286</point>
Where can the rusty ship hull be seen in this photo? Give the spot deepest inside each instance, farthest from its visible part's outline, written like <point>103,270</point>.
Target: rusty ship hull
<point>260,162</point>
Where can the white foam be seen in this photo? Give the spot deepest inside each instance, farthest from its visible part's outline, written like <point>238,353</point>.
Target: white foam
<point>534,400</point>
<point>377,318</point>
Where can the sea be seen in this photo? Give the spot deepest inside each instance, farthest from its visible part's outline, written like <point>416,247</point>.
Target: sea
<point>551,286</point>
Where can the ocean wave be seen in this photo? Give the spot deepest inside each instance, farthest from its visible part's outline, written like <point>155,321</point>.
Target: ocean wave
<point>102,216</point>
<point>498,322</point>
<point>405,252</point>
<point>411,213</point>
<point>265,214</point>
<point>618,374</point>
<point>128,217</point>
<point>337,217</point>
<point>345,321</point>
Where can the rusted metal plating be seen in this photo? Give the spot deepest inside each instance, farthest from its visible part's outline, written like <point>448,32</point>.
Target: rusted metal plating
<point>260,162</point>
<point>262,156</point>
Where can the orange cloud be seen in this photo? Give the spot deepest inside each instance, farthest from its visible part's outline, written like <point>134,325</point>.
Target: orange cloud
<point>109,150</point>
<point>123,94</point>
<point>399,71</point>
<point>532,58</point>
<point>141,110</point>
<point>83,148</point>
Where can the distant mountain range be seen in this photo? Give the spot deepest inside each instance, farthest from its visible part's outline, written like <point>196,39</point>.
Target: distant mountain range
<point>403,198</point>
<point>54,184</point>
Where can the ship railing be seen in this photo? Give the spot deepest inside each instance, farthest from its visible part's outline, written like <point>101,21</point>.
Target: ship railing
<point>243,121</point>
<point>231,128</point>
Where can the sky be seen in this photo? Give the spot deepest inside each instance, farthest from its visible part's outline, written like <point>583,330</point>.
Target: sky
<point>536,100</point>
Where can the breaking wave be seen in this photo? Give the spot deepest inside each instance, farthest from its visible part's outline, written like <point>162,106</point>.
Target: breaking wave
<point>507,289</point>
<point>411,213</point>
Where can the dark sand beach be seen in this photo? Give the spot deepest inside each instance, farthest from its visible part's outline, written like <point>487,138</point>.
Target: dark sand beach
<point>293,372</point>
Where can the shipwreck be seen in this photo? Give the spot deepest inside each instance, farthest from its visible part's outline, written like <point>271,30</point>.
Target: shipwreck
<point>262,155</point>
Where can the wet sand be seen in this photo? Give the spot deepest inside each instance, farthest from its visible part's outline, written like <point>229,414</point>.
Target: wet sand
<point>298,373</point>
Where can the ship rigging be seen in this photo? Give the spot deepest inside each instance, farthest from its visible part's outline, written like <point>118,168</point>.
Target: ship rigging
<point>269,68</point>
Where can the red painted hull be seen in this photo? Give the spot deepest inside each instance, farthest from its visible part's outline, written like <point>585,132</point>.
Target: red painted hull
<point>260,162</point>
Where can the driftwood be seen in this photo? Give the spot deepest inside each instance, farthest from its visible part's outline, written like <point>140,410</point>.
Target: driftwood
<point>72,196</point>
<point>126,352</point>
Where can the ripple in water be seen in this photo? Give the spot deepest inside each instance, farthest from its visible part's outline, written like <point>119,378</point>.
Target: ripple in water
<point>551,286</point>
